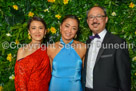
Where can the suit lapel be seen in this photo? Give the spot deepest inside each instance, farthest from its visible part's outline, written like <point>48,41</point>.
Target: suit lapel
<point>85,62</point>
<point>88,41</point>
<point>105,41</point>
<point>88,46</point>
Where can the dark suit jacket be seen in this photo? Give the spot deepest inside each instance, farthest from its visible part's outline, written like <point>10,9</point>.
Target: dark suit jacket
<point>112,68</point>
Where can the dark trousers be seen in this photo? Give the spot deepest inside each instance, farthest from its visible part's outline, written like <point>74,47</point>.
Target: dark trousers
<point>88,89</point>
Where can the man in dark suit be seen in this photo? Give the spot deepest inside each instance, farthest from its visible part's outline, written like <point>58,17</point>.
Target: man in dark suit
<point>107,63</point>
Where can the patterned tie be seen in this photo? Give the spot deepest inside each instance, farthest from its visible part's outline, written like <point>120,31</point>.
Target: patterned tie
<point>96,36</point>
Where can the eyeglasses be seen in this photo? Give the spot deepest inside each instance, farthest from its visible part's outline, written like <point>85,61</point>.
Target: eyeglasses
<point>98,17</point>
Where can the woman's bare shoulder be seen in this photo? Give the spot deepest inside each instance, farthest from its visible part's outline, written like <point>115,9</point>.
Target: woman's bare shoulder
<point>20,53</point>
<point>52,47</point>
<point>80,44</point>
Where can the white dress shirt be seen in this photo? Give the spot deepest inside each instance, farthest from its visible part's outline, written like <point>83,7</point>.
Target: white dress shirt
<point>92,55</point>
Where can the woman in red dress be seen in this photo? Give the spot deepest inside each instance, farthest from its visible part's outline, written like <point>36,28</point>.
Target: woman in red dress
<point>32,68</point>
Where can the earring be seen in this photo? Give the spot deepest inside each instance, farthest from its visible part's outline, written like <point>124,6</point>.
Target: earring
<point>29,36</point>
<point>75,36</point>
<point>44,36</point>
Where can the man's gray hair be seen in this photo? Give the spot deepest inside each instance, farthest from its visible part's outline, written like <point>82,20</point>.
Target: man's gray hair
<point>104,9</point>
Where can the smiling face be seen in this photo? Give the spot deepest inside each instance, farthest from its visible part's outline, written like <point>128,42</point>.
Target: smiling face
<point>37,31</point>
<point>69,29</point>
<point>98,23</point>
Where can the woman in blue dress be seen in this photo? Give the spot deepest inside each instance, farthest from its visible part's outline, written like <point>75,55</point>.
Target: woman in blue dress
<point>66,58</point>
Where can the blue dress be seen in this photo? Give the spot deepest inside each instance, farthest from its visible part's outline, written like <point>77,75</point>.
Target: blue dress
<point>66,70</point>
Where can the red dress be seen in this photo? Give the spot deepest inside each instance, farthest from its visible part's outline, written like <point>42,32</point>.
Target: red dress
<point>33,72</point>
